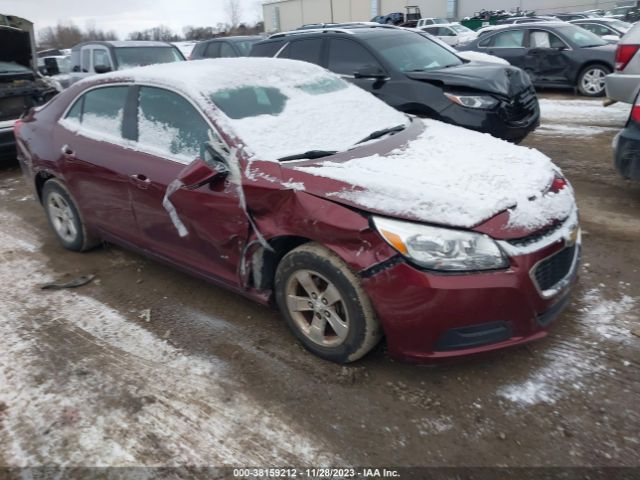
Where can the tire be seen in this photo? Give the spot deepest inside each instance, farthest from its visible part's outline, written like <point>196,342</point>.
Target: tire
<point>64,217</point>
<point>350,329</point>
<point>591,80</point>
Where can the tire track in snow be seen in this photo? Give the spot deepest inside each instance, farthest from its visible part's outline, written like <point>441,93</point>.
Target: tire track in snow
<point>83,385</point>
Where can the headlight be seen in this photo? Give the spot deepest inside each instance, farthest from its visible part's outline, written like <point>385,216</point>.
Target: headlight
<point>469,101</point>
<point>441,248</point>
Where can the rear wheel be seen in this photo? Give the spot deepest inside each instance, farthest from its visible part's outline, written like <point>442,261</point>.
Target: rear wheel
<point>64,217</point>
<point>324,305</point>
<point>591,80</point>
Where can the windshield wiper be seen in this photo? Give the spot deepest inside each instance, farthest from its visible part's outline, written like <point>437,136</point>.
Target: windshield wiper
<point>381,133</point>
<point>311,154</point>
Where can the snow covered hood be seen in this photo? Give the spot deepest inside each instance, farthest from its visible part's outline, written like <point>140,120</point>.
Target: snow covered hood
<point>450,176</point>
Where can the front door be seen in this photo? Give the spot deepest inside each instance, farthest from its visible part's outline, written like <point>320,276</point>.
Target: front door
<point>171,134</point>
<point>547,58</point>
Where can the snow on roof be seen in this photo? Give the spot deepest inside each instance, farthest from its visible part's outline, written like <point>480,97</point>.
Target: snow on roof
<point>454,176</point>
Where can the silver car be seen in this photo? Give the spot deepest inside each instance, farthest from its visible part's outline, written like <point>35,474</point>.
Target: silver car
<point>623,85</point>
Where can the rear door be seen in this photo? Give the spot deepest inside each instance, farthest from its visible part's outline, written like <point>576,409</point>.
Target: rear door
<point>172,132</point>
<point>97,159</point>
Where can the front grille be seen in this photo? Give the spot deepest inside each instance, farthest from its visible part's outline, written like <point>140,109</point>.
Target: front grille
<point>523,106</point>
<point>554,269</point>
<point>12,108</point>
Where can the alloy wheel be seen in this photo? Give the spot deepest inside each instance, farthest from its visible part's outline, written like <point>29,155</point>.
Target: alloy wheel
<point>62,217</point>
<point>317,308</point>
<point>593,81</point>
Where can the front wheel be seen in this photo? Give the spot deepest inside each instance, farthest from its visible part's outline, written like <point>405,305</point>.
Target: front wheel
<point>591,80</point>
<point>324,304</point>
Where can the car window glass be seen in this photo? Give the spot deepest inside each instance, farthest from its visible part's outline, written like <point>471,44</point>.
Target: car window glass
<point>510,39</point>
<point>168,125</point>
<point>227,50</point>
<point>308,50</point>
<point>268,49</point>
<point>101,58</point>
<point>100,111</point>
<point>544,39</point>
<point>246,102</point>
<point>446,32</point>
<point>213,50</point>
<point>347,57</point>
<point>407,51</point>
<point>86,60</point>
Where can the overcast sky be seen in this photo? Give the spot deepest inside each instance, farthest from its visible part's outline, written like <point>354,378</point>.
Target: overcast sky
<point>125,16</point>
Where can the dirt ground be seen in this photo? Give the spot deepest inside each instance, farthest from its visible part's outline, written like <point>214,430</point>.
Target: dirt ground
<point>148,366</point>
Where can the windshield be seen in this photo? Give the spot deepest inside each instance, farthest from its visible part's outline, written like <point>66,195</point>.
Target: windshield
<point>440,20</point>
<point>581,37</point>
<point>129,57</point>
<point>282,118</point>
<point>12,67</point>
<point>409,52</point>
<point>620,25</point>
<point>245,46</point>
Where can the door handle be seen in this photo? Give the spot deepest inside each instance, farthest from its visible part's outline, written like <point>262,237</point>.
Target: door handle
<point>141,181</point>
<point>67,151</point>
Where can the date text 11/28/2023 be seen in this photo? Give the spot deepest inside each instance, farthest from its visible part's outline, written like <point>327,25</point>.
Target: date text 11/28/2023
<point>315,473</point>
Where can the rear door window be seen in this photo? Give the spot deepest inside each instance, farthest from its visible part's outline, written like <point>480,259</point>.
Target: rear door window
<point>268,49</point>
<point>213,50</point>
<point>99,112</point>
<point>309,50</point>
<point>170,126</point>
<point>347,57</point>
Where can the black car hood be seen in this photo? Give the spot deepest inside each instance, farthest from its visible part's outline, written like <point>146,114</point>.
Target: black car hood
<point>497,79</point>
<point>15,46</point>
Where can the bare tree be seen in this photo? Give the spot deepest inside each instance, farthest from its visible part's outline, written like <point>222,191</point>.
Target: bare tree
<point>234,13</point>
<point>66,35</point>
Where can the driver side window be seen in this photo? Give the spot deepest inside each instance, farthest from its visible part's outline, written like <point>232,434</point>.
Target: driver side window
<point>170,126</point>
<point>544,39</point>
<point>346,57</point>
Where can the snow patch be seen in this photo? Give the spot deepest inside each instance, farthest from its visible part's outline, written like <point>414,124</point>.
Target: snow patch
<point>481,57</point>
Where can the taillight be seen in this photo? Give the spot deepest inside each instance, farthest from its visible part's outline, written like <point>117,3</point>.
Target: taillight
<point>624,54</point>
<point>635,113</point>
<point>558,184</point>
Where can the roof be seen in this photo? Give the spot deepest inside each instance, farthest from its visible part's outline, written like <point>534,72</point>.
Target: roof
<point>237,38</point>
<point>363,30</point>
<point>125,44</point>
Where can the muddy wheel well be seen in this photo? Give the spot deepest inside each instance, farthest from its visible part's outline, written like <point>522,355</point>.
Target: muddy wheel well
<point>41,178</point>
<point>265,262</point>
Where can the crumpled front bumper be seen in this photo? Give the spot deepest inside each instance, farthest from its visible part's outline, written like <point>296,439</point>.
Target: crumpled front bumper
<point>428,316</point>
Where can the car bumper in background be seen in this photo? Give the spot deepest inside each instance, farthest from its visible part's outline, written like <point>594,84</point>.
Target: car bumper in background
<point>622,87</point>
<point>626,149</point>
<point>429,317</point>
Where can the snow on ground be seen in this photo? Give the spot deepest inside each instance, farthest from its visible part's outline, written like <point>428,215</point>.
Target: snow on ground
<point>580,117</point>
<point>82,384</point>
<point>570,364</point>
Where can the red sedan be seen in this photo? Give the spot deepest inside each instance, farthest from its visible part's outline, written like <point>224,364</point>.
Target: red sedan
<point>278,180</point>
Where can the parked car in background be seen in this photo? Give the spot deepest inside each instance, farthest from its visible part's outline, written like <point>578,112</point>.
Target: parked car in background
<point>623,84</point>
<point>626,146</point>
<point>567,17</point>
<point>54,65</point>
<point>220,47</point>
<point>537,18</point>
<point>21,85</point>
<point>609,29</point>
<point>554,54</point>
<point>416,74</point>
<point>92,58</point>
<point>279,181</point>
<point>425,22</point>
<point>394,18</point>
<point>628,14</point>
<point>452,34</point>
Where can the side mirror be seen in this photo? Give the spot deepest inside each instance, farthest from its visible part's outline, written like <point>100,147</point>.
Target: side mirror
<point>101,68</point>
<point>203,170</point>
<point>370,71</point>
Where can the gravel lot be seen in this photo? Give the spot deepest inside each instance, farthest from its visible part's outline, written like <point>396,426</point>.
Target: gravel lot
<point>147,366</point>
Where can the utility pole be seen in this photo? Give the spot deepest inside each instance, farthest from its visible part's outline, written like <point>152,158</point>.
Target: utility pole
<point>331,6</point>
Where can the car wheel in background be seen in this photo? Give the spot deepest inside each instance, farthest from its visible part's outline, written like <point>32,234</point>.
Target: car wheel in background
<point>324,304</point>
<point>64,217</point>
<point>591,80</point>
